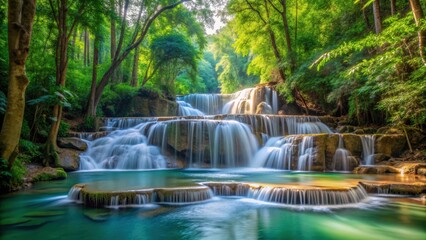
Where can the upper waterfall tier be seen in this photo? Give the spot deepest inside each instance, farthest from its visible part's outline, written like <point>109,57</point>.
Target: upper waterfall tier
<point>259,100</point>
<point>270,125</point>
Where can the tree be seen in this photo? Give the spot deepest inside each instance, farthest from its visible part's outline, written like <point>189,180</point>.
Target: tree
<point>66,16</point>
<point>139,34</point>
<point>377,18</point>
<point>417,10</point>
<point>20,21</point>
<point>173,53</point>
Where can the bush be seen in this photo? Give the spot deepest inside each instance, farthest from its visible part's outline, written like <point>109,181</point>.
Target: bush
<point>88,124</point>
<point>13,178</point>
<point>63,129</point>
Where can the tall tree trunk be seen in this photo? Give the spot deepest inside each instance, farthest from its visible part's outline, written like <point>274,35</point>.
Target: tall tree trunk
<point>290,53</point>
<point>113,35</point>
<point>417,10</point>
<point>90,106</point>
<point>86,48</point>
<point>20,24</point>
<point>73,41</point>
<point>377,18</point>
<point>61,59</point>
<point>134,81</point>
<point>393,7</point>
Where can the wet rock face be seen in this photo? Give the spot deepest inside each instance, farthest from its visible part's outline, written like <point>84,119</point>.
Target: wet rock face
<point>72,143</point>
<point>69,159</point>
<point>150,107</point>
<point>390,145</point>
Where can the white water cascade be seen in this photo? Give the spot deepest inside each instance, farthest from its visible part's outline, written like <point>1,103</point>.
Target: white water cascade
<point>368,149</point>
<point>277,153</point>
<point>247,101</point>
<point>306,154</point>
<point>341,158</point>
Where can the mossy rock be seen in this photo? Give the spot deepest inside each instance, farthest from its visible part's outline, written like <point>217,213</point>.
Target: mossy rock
<point>49,174</point>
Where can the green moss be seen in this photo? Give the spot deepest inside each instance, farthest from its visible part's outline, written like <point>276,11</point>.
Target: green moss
<point>60,174</point>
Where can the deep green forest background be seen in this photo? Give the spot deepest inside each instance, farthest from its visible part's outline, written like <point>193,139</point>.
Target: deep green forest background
<point>342,58</point>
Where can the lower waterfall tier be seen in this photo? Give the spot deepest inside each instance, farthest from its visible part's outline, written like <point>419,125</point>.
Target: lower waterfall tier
<point>300,195</point>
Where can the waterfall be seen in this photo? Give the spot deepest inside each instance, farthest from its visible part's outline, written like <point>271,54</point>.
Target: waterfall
<point>277,153</point>
<point>185,109</point>
<point>306,154</point>
<point>201,141</point>
<point>262,100</point>
<point>277,125</point>
<point>341,158</point>
<point>122,149</point>
<point>368,149</point>
<point>303,195</point>
<point>184,195</point>
<point>296,196</point>
<point>206,103</point>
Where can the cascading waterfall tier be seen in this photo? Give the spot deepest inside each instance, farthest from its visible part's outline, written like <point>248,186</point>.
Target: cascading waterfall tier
<point>342,157</point>
<point>204,142</point>
<point>300,195</point>
<point>185,109</point>
<point>296,152</point>
<point>368,142</point>
<point>200,142</point>
<point>291,194</point>
<point>80,193</point>
<point>260,100</point>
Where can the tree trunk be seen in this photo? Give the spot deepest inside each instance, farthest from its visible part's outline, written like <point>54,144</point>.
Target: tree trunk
<point>417,10</point>
<point>91,107</point>
<point>86,48</point>
<point>287,36</point>
<point>20,22</point>
<point>61,59</point>
<point>377,18</point>
<point>393,7</point>
<point>113,35</point>
<point>365,15</point>
<point>134,81</point>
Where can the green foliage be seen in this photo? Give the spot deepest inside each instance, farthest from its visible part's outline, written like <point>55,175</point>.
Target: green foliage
<point>115,97</point>
<point>172,54</point>
<point>59,174</point>
<point>13,178</point>
<point>29,151</point>
<point>381,74</point>
<point>88,124</point>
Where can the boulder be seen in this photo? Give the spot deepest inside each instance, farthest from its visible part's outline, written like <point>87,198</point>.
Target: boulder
<point>148,105</point>
<point>69,159</point>
<point>72,143</point>
<point>390,145</point>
